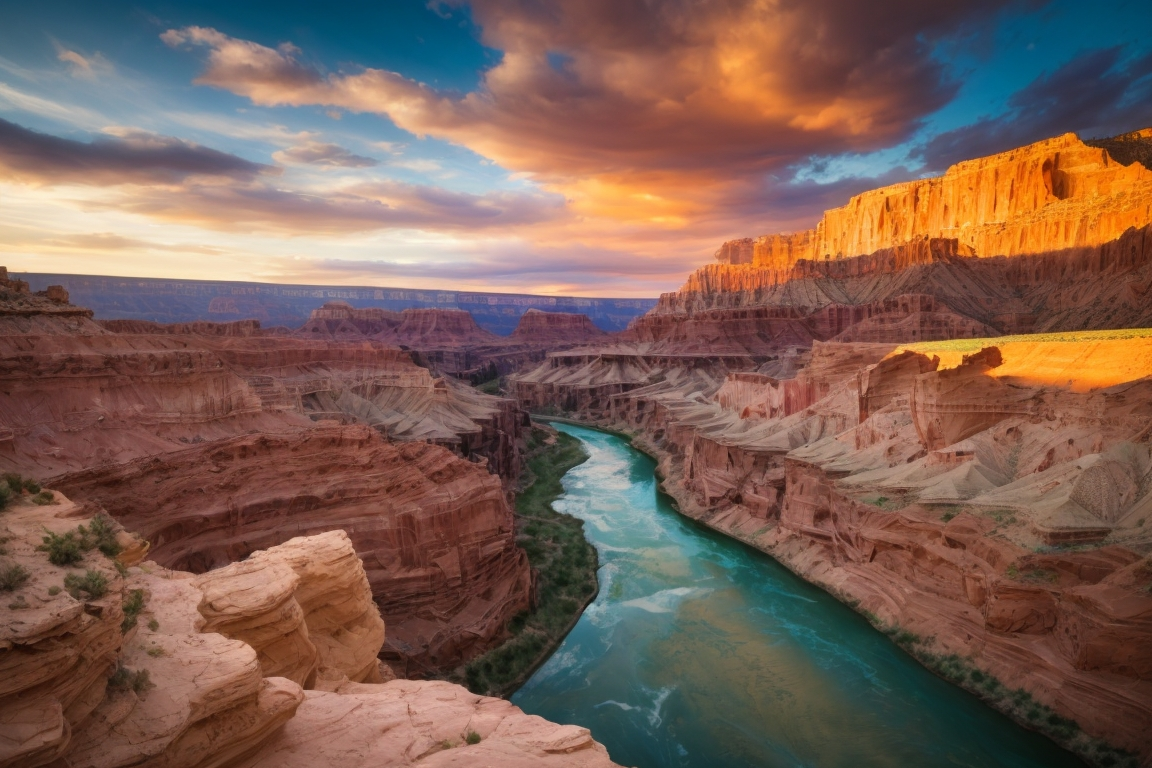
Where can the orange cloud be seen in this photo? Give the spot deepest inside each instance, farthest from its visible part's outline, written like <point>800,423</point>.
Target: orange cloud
<point>631,108</point>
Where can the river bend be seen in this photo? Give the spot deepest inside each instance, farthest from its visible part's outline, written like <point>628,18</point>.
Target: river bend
<point>702,652</point>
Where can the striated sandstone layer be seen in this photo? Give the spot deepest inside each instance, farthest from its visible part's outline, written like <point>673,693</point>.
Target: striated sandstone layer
<point>435,533</point>
<point>216,444</point>
<point>1056,194</point>
<point>937,486</point>
<point>1054,236</point>
<point>450,341</point>
<point>194,681</point>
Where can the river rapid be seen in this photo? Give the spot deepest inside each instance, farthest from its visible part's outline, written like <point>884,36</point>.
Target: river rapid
<point>700,651</point>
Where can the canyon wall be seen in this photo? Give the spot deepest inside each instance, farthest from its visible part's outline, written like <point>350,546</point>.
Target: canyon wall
<point>266,662</point>
<point>214,443</point>
<point>936,486</point>
<point>1053,236</point>
<point>435,533</point>
<point>449,341</point>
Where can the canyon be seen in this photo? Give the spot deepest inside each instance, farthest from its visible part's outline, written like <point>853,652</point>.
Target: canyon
<point>936,405</point>
<point>213,442</point>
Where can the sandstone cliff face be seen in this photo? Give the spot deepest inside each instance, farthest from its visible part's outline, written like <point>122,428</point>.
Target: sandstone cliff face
<point>435,533</point>
<point>919,482</point>
<point>22,311</point>
<point>193,680</point>
<point>215,444</point>
<point>1017,202</point>
<point>555,328</point>
<point>1049,237</point>
<point>449,341</point>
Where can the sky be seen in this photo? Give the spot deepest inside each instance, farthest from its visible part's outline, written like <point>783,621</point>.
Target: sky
<point>567,147</point>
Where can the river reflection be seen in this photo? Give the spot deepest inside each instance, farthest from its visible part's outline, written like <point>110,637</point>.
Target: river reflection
<point>702,652</point>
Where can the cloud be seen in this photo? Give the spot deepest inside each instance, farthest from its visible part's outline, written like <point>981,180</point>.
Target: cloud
<point>128,157</point>
<point>319,153</point>
<point>108,241</point>
<point>360,208</point>
<point>1095,94</point>
<point>630,108</point>
<point>80,66</point>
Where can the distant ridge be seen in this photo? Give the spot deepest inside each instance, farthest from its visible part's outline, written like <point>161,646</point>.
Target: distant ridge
<point>184,301</point>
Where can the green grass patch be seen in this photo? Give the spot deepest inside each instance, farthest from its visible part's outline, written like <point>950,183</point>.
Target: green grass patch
<point>975,345</point>
<point>564,560</point>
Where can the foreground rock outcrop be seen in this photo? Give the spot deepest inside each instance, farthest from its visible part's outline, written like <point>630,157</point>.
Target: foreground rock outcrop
<point>270,661</point>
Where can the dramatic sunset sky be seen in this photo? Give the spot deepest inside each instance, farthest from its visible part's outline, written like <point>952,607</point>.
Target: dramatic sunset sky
<point>589,147</point>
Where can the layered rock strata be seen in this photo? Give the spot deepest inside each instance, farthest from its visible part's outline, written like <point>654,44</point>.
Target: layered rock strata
<point>435,533</point>
<point>216,444</point>
<point>267,662</point>
<point>449,340</point>
<point>1053,236</point>
<point>935,486</point>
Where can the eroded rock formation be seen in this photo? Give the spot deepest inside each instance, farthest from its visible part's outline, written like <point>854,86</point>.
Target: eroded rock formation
<point>217,444</point>
<point>449,340</point>
<point>270,661</point>
<point>917,483</point>
<point>1053,236</point>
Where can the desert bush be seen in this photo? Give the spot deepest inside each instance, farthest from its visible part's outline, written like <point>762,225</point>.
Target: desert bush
<point>472,737</point>
<point>5,496</point>
<point>102,535</point>
<point>132,607</point>
<point>124,679</point>
<point>13,577</point>
<point>44,498</point>
<point>14,482</point>
<point>63,548</point>
<point>32,486</point>
<point>93,584</point>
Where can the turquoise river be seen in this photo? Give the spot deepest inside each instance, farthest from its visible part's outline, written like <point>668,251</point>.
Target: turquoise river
<point>700,651</point>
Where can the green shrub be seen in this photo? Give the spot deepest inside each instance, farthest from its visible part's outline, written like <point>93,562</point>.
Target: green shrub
<point>53,590</point>
<point>69,548</point>
<point>93,584</point>
<point>63,548</point>
<point>14,482</point>
<point>13,577</point>
<point>948,515</point>
<point>472,737</point>
<point>5,496</point>
<point>156,652</point>
<point>124,679</point>
<point>132,607</point>
<point>44,498</point>
<point>153,625</point>
<point>102,535</point>
<point>32,486</point>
